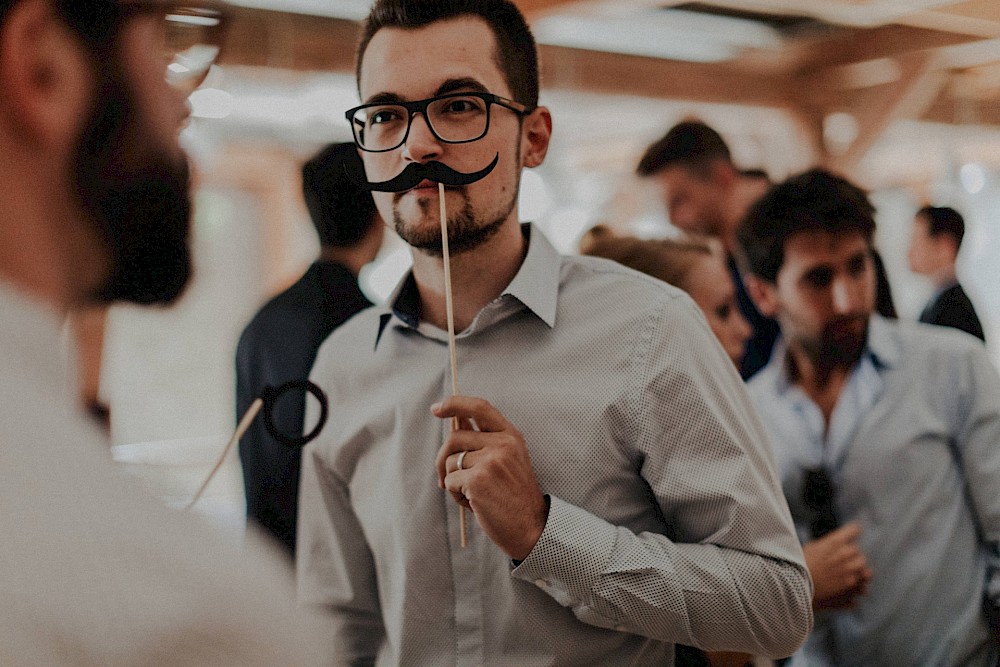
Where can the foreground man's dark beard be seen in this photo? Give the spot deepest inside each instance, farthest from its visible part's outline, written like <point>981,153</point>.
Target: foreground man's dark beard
<point>137,197</point>
<point>464,234</point>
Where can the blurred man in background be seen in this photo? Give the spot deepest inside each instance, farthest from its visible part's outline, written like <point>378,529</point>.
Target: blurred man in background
<point>280,343</point>
<point>885,434</point>
<point>937,237</point>
<point>706,195</point>
<point>96,209</point>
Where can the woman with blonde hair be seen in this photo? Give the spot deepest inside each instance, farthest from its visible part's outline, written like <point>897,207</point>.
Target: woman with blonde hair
<point>693,266</point>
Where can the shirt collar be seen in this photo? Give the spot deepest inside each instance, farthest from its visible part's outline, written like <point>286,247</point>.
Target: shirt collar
<point>882,347</point>
<point>535,286</point>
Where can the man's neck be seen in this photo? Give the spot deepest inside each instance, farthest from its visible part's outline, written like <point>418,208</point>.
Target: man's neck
<point>822,383</point>
<point>478,277</point>
<point>746,192</point>
<point>944,277</point>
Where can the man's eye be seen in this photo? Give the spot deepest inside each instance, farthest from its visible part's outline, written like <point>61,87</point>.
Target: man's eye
<point>382,116</point>
<point>819,279</point>
<point>724,311</point>
<point>463,105</point>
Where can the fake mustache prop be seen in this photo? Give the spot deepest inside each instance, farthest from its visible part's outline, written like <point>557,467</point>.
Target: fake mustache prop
<point>415,173</point>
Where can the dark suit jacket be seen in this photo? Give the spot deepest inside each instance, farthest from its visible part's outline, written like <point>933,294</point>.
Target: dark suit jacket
<point>952,308</point>
<point>758,348</point>
<point>280,345</point>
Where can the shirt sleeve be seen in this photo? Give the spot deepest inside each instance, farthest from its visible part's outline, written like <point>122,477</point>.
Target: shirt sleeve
<point>731,575</point>
<point>335,570</point>
<point>978,442</point>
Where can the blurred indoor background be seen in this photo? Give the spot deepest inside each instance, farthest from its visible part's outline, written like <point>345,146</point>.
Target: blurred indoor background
<point>903,96</point>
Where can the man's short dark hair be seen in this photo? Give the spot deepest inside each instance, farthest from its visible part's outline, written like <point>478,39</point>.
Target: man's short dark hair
<point>341,210</point>
<point>516,53</point>
<point>944,221</point>
<point>816,201</point>
<point>690,144</point>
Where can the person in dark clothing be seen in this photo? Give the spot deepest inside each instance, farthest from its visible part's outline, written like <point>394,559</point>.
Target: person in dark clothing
<point>705,194</point>
<point>280,343</point>
<point>937,236</point>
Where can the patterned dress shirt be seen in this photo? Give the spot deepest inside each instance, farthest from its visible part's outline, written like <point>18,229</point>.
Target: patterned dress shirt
<point>913,453</point>
<point>666,524</point>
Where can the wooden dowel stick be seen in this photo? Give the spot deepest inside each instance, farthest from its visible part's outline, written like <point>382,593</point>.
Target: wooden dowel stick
<point>450,311</point>
<point>240,430</point>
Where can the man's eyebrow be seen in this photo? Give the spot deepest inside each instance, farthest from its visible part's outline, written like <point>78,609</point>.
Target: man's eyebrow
<point>462,84</point>
<point>384,98</point>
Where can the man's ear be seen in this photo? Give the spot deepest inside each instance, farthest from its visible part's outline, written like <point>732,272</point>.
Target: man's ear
<point>535,135</point>
<point>763,294</point>
<point>44,73</point>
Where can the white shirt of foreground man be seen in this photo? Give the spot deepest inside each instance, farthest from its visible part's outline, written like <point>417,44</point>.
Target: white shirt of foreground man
<point>96,208</point>
<point>662,519</point>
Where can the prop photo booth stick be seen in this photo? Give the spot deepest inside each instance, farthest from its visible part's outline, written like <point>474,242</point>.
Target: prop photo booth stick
<point>411,176</point>
<point>266,401</point>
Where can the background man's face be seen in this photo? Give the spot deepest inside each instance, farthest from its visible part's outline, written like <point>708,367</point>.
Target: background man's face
<point>694,201</point>
<point>455,55</point>
<point>824,295</point>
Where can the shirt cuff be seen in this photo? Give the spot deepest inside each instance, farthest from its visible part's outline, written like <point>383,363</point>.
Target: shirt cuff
<point>571,554</point>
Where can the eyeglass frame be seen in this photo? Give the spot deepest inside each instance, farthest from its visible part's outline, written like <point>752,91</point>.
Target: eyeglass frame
<point>420,106</point>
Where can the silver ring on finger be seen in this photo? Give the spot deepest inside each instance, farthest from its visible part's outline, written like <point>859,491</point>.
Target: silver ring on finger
<point>461,459</point>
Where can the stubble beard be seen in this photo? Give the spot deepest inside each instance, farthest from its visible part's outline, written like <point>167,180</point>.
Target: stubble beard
<point>465,231</point>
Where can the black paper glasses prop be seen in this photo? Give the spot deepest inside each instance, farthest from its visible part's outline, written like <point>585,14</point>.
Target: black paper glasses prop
<point>818,496</point>
<point>455,118</point>
<point>191,38</point>
<point>266,401</point>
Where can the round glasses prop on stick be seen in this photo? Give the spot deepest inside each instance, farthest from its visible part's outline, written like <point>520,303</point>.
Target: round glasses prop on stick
<point>411,176</point>
<point>266,401</point>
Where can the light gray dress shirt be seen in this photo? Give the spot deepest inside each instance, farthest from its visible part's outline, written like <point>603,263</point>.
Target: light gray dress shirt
<point>667,523</point>
<point>913,452</point>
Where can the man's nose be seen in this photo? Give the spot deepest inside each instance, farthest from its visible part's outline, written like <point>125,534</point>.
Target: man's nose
<point>421,145</point>
<point>848,295</point>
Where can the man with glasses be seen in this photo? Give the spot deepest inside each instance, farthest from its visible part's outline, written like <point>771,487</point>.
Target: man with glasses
<point>621,490</point>
<point>95,210</point>
<point>885,435</point>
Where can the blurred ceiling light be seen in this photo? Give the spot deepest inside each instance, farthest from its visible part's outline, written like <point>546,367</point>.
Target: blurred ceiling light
<point>972,177</point>
<point>871,73</point>
<point>840,129</point>
<point>211,103</point>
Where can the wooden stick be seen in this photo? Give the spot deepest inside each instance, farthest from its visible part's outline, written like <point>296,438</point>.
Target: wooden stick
<point>244,424</point>
<point>450,310</point>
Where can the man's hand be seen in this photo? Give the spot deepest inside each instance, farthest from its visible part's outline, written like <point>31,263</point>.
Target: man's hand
<point>497,481</point>
<point>839,570</point>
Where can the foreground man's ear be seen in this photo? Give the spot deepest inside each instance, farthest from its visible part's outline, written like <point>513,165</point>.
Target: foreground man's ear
<point>44,74</point>
<point>535,135</point>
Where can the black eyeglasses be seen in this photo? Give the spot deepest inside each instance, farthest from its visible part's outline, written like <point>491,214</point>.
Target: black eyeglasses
<point>191,38</point>
<point>455,118</point>
<point>818,496</point>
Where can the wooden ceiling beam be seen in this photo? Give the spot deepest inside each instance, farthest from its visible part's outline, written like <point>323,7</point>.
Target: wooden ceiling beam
<point>855,45</point>
<point>612,73</point>
<point>265,38</point>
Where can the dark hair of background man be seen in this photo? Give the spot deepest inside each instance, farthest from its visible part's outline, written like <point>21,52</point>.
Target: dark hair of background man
<point>331,185</point>
<point>944,221</point>
<point>815,201</point>
<point>690,144</point>
<point>517,56</point>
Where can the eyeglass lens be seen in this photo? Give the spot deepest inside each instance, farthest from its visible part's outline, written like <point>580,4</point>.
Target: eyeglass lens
<point>453,119</point>
<point>818,495</point>
<point>191,43</point>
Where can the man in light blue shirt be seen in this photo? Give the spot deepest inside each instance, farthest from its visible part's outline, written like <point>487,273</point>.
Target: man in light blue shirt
<point>887,441</point>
